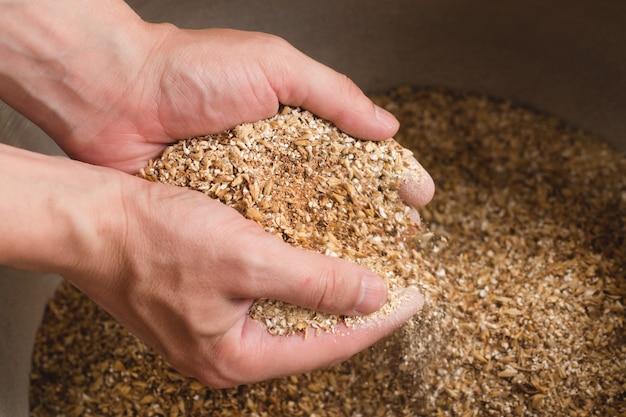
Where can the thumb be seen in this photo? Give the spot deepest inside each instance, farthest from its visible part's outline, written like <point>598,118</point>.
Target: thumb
<point>312,280</point>
<point>331,95</point>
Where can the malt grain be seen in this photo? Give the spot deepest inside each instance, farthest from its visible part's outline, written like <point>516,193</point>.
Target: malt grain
<point>337,196</point>
<point>525,302</point>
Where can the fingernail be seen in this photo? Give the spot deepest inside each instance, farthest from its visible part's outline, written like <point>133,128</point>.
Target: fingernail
<point>373,294</point>
<point>417,187</point>
<point>386,119</point>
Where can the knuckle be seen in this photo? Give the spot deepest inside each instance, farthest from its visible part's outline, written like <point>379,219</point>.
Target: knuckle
<point>264,43</point>
<point>215,369</point>
<point>335,294</point>
<point>253,252</point>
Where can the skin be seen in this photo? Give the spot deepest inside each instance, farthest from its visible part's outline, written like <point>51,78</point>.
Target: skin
<point>174,266</point>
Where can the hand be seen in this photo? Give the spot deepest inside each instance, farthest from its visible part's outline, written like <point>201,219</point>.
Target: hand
<point>114,90</point>
<point>119,89</point>
<point>189,270</point>
<point>180,269</point>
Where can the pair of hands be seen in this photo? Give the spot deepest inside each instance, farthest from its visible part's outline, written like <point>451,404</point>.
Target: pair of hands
<point>176,267</point>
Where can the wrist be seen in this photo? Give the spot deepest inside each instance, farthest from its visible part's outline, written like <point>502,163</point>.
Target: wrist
<point>61,216</point>
<point>63,60</point>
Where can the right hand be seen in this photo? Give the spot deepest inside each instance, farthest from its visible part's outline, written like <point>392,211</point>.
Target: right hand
<point>180,270</point>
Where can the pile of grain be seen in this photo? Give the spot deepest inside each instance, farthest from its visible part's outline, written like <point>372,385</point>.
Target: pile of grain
<point>315,187</point>
<point>524,303</point>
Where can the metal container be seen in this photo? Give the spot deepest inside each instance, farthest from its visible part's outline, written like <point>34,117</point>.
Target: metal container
<point>564,58</point>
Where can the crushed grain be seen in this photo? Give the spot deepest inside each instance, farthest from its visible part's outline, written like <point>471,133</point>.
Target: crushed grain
<point>525,300</point>
<point>316,188</point>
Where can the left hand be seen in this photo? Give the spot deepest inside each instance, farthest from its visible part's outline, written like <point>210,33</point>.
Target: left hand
<point>117,89</point>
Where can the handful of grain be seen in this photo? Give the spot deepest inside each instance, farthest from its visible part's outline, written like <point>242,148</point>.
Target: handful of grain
<point>317,188</point>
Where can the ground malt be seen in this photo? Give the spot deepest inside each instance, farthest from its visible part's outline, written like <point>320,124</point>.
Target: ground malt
<point>316,188</point>
<point>525,293</point>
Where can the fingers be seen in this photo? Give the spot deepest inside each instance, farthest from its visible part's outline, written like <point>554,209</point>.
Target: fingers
<point>255,355</point>
<point>417,187</point>
<point>282,272</point>
<point>243,261</point>
<point>301,81</point>
<point>251,73</point>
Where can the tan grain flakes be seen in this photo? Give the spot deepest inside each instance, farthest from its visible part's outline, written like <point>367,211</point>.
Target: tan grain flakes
<point>338,196</point>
